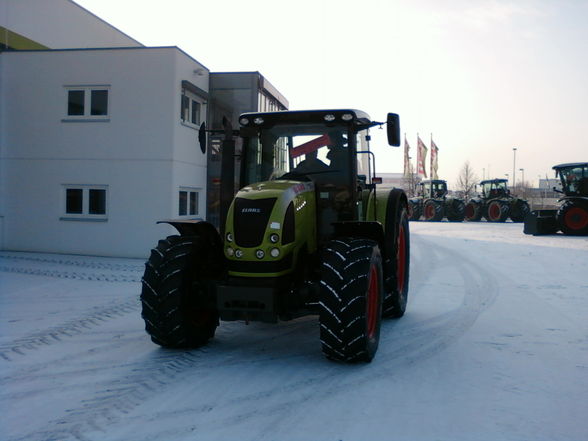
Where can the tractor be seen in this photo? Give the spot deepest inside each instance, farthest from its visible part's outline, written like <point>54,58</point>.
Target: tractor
<point>306,234</point>
<point>496,204</point>
<point>572,215</point>
<point>433,204</point>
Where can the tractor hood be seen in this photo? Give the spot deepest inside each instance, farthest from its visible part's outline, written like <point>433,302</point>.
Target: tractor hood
<point>268,223</point>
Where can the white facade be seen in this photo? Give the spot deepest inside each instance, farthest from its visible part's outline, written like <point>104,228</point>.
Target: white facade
<point>139,155</point>
<point>60,24</point>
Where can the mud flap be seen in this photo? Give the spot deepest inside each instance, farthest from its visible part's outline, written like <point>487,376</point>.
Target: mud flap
<point>539,222</point>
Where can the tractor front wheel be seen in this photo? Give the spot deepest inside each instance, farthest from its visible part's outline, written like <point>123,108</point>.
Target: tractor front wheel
<point>519,210</point>
<point>398,268</point>
<point>572,217</point>
<point>433,211</point>
<point>177,305</point>
<point>473,211</point>
<point>414,211</point>
<point>456,211</point>
<point>351,289</point>
<point>497,211</point>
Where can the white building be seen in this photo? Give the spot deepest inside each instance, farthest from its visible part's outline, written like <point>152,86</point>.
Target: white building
<point>98,134</point>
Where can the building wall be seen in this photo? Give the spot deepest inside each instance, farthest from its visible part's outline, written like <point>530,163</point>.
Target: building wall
<point>141,152</point>
<point>78,28</point>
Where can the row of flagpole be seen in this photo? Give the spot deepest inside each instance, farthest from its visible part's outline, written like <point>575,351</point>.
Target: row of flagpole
<point>421,158</point>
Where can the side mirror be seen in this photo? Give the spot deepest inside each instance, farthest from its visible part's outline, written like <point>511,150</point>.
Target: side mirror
<point>393,129</point>
<point>202,137</point>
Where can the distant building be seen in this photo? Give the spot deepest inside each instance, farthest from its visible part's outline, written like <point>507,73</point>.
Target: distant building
<point>99,134</point>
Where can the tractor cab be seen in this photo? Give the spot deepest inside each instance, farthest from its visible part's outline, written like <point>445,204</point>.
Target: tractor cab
<point>494,188</point>
<point>433,189</point>
<point>573,177</point>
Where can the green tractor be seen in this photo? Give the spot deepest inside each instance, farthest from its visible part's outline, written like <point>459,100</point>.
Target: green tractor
<point>496,204</point>
<point>572,215</point>
<point>433,204</point>
<point>306,234</point>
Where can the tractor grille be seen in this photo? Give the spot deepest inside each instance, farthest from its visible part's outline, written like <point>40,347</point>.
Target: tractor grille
<point>250,220</point>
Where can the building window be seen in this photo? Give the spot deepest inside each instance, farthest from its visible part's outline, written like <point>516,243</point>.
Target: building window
<point>87,102</point>
<point>188,202</point>
<point>190,112</point>
<point>85,202</point>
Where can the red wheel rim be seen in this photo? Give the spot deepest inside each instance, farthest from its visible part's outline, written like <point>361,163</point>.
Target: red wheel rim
<point>576,218</point>
<point>372,302</point>
<point>401,259</point>
<point>494,211</point>
<point>429,211</point>
<point>469,211</point>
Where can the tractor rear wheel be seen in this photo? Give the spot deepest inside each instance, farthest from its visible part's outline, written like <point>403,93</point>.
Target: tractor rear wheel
<point>473,211</point>
<point>497,211</point>
<point>350,299</point>
<point>398,267</point>
<point>456,211</point>
<point>519,210</point>
<point>177,305</point>
<point>572,217</point>
<point>433,211</point>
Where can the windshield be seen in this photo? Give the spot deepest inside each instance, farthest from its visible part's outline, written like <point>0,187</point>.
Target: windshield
<point>288,151</point>
<point>493,189</point>
<point>574,180</point>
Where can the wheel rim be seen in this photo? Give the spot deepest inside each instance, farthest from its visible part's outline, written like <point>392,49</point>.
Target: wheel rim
<point>576,218</point>
<point>429,211</point>
<point>494,211</point>
<point>401,259</point>
<point>469,211</point>
<point>372,303</point>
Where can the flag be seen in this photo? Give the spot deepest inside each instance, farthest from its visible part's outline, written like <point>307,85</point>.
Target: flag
<point>434,163</point>
<point>421,157</point>
<point>406,158</point>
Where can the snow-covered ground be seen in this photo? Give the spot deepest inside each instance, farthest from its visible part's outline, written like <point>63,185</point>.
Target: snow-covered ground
<point>494,346</point>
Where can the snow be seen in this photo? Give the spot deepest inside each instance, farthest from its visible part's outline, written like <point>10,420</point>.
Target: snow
<point>494,346</point>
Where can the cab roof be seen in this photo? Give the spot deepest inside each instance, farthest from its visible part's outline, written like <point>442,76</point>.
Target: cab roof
<point>570,165</point>
<point>433,181</point>
<point>494,180</point>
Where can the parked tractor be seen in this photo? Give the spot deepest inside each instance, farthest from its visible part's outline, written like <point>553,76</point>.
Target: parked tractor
<point>572,215</point>
<point>307,233</point>
<point>496,204</point>
<point>433,203</point>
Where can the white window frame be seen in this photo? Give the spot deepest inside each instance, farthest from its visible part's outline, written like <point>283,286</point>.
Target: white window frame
<point>186,113</point>
<point>85,214</point>
<point>87,89</point>
<point>196,207</point>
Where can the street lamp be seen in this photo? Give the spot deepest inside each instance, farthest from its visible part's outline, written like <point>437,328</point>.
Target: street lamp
<point>523,190</point>
<point>514,161</point>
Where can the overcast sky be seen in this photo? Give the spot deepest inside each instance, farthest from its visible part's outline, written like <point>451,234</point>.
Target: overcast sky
<point>483,76</point>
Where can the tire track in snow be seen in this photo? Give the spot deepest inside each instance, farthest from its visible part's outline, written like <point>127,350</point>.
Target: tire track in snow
<point>57,334</point>
<point>81,261</point>
<point>418,342</point>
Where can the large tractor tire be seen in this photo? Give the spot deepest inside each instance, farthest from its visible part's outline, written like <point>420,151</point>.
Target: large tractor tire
<point>414,211</point>
<point>456,211</point>
<point>572,217</point>
<point>519,210</point>
<point>351,291</point>
<point>473,211</point>
<point>497,211</point>
<point>433,211</point>
<point>398,265</point>
<point>177,304</point>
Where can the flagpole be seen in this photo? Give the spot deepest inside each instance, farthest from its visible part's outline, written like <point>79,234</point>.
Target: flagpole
<point>431,157</point>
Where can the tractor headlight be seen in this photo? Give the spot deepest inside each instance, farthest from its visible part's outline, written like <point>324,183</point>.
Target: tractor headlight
<point>244,121</point>
<point>275,252</point>
<point>274,238</point>
<point>239,254</point>
<point>258,120</point>
<point>230,252</point>
<point>229,237</point>
<point>347,117</point>
<point>329,117</point>
<point>259,254</point>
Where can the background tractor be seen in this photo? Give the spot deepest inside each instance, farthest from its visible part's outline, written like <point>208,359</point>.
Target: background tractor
<point>572,215</point>
<point>496,204</point>
<point>433,204</point>
<point>307,233</point>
